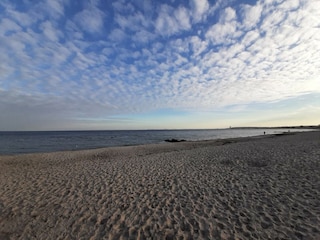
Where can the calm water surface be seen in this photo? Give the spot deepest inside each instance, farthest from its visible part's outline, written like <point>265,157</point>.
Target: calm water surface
<point>32,142</point>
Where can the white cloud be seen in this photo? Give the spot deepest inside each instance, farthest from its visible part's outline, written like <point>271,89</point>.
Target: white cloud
<point>171,21</point>
<point>55,8</point>
<point>275,65</point>
<point>182,16</point>
<point>123,6</point>
<point>198,46</point>
<point>117,35</point>
<point>307,15</point>
<point>228,15</point>
<point>165,24</point>
<point>143,36</point>
<point>180,60</point>
<point>72,31</point>
<point>178,45</point>
<point>24,19</point>
<point>251,15</point>
<point>134,22</point>
<point>224,32</point>
<point>250,37</point>
<point>50,32</point>
<point>199,9</point>
<point>290,5</point>
<point>135,25</point>
<point>90,19</point>
<point>273,18</point>
<point>8,26</point>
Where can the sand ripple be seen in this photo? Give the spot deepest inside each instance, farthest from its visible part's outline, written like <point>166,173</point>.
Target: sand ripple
<point>255,189</point>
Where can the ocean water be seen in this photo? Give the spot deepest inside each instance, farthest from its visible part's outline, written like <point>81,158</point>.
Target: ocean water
<point>33,142</point>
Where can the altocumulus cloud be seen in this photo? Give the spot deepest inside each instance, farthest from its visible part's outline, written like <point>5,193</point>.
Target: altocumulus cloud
<point>66,61</point>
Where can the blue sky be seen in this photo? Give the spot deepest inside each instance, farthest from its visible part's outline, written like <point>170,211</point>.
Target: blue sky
<point>69,65</point>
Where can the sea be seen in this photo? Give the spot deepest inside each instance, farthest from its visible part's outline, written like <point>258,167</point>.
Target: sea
<point>12,143</point>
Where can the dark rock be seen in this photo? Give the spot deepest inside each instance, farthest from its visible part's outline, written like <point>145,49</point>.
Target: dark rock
<point>174,140</point>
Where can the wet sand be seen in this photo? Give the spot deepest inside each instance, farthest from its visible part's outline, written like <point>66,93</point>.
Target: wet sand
<point>250,188</point>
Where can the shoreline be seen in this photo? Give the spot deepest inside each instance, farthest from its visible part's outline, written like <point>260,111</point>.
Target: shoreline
<point>22,143</point>
<point>212,142</point>
<point>241,188</point>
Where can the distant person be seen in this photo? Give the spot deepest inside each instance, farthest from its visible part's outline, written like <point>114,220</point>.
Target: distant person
<point>264,133</point>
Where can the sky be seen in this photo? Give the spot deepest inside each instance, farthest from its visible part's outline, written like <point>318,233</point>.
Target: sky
<point>102,64</point>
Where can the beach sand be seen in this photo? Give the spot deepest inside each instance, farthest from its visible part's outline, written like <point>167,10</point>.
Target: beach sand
<point>251,188</point>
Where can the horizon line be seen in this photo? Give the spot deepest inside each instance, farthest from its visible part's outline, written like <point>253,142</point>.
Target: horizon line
<point>172,129</point>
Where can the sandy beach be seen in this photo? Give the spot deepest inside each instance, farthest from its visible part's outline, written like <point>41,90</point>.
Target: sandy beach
<point>251,188</point>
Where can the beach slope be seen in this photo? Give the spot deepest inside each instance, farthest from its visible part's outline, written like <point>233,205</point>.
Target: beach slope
<point>252,188</point>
